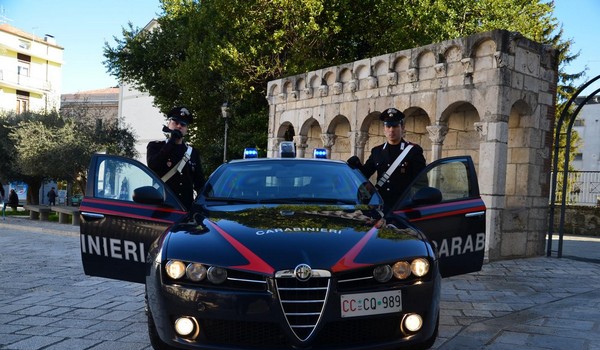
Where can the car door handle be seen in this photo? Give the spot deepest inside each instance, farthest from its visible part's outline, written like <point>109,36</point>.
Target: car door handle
<point>477,213</point>
<point>92,216</point>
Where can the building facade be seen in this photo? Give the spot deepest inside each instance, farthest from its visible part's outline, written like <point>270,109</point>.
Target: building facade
<point>587,126</point>
<point>30,71</point>
<point>136,109</point>
<point>100,105</point>
<point>490,95</point>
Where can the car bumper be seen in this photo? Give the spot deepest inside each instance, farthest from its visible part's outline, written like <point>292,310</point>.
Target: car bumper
<point>254,320</point>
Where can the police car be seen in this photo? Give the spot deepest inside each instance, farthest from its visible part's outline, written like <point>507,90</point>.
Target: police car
<point>285,253</point>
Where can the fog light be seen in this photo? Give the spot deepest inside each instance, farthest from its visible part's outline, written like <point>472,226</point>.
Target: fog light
<point>413,323</point>
<point>184,326</point>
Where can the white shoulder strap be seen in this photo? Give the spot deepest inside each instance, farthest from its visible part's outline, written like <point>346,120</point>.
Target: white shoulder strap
<point>179,166</point>
<point>393,167</point>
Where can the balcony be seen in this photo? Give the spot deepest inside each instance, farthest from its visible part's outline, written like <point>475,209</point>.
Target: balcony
<point>12,79</point>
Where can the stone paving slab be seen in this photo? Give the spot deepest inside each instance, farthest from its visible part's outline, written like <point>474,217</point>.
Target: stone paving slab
<point>46,302</point>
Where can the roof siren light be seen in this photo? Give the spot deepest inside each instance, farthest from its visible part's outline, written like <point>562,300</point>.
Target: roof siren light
<point>250,152</point>
<point>320,153</point>
<point>287,149</point>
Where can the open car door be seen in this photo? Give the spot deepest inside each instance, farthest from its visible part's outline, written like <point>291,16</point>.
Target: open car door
<point>117,229</point>
<point>445,204</point>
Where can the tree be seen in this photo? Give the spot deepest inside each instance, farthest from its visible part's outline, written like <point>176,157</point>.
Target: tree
<point>209,51</point>
<point>41,147</point>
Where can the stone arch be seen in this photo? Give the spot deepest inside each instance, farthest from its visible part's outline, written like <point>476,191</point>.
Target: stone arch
<point>274,90</point>
<point>520,135</point>
<point>300,84</point>
<point>339,128</point>
<point>311,129</point>
<point>315,81</point>
<point>416,122</point>
<point>329,78</point>
<point>484,59</point>
<point>453,55</point>
<point>425,62</point>
<point>401,66</point>
<point>462,137</point>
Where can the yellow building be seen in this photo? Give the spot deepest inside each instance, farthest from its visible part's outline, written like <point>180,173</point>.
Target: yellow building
<point>30,71</point>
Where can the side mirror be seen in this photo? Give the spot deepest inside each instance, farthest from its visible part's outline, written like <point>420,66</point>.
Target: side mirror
<point>427,195</point>
<point>147,195</point>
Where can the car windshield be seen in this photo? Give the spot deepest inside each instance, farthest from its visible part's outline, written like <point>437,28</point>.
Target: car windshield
<point>288,181</point>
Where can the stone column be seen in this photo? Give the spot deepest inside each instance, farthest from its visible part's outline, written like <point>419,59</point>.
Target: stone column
<point>359,140</point>
<point>493,150</point>
<point>300,141</point>
<point>437,134</point>
<point>328,141</point>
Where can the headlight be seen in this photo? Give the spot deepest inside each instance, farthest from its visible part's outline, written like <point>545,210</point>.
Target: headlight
<point>382,273</point>
<point>175,269</point>
<point>401,270</point>
<point>195,272</point>
<point>419,267</point>
<point>217,275</point>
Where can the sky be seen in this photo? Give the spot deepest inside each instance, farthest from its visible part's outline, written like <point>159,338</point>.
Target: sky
<point>82,27</point>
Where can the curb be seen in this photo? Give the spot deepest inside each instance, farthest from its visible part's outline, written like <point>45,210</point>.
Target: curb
<point>47,227</point>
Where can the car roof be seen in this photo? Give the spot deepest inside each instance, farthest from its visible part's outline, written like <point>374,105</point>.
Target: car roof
<point>311,160</point>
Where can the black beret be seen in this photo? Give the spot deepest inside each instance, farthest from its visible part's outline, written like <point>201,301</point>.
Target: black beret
<point>391,117</point>
<point>180,114</point>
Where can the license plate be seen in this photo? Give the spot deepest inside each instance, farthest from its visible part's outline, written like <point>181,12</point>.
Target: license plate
<point>371,303</point>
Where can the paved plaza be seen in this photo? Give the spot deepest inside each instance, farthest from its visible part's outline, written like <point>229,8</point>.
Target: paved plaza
<point>46,302</point>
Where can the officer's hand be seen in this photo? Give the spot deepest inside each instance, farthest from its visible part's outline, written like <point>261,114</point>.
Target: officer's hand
<point>175,135</point>
<point>354,162</point>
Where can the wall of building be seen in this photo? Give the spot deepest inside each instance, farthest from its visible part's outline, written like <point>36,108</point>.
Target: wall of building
<point>136,109</point>
<point>43,81</point>
<point>587,126</point>
<point>490,95</point>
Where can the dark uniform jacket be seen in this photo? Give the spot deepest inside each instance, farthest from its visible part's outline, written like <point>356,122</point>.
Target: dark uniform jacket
<point>381,159</point>
<point>162,156</point>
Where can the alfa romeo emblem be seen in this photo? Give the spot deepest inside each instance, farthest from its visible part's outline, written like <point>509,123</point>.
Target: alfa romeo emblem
<point>302,272</point>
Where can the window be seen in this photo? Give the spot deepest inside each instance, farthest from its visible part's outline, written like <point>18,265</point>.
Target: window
<point>117,180</point>
<point>24,44</point>
<point>579,122</point>
<point>24,64</point>
<point>22,102</point>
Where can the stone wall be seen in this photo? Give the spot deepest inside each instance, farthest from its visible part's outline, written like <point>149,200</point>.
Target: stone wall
<point>579,220</point>
<point>490,95</point>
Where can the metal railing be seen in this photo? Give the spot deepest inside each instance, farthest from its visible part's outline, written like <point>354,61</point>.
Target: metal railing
<point>583,188</point>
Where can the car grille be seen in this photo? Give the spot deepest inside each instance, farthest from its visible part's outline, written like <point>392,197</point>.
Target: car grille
<point>302,302</point>
<point>264,335</point>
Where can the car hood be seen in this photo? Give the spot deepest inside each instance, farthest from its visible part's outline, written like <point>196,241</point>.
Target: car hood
<point>271,238</point>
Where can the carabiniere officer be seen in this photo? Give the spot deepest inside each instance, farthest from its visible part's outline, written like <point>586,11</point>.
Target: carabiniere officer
<point>384,155</point>
<point>177,163</point>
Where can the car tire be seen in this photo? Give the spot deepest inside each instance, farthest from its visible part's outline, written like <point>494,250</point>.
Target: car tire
<point>429,342</point>
<point>155,341</point>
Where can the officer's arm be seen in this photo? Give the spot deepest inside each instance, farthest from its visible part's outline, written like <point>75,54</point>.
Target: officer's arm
<point>158,153</point>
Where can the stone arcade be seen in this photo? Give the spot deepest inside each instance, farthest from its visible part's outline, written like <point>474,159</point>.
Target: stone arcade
<point>489,95</point>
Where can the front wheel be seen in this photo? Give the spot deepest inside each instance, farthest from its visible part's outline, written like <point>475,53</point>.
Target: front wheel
<point>155,341</point>
<point>429,342</point>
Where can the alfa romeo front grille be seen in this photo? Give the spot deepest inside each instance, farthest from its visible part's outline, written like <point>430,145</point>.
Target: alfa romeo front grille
<point>303,302</point>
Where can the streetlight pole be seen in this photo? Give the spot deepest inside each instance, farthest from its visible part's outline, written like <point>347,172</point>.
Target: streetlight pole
<point>225,115</point>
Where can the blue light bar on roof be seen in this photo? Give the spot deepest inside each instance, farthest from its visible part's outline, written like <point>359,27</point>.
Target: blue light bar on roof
<point>320,153</point>
<point>250,153</point>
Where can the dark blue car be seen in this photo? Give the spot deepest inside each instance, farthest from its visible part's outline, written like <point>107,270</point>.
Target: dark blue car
<point>284,253</point>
